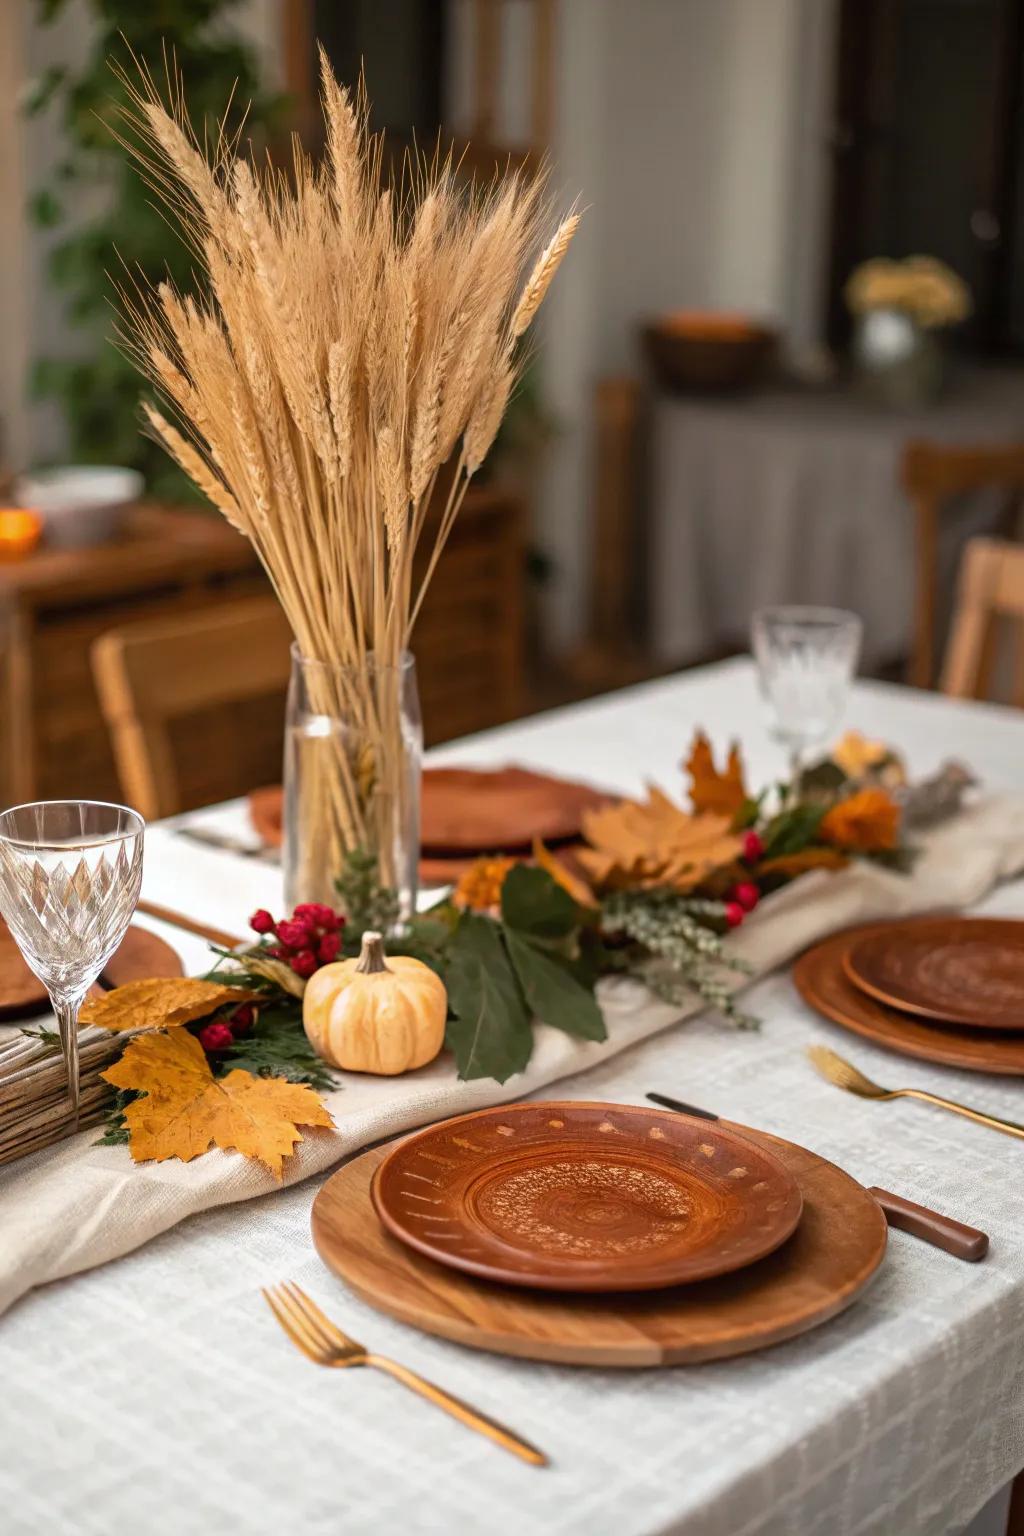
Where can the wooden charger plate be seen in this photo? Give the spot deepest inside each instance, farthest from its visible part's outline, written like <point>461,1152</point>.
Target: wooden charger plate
<point>826,1264</point>
<point>140,955</point>
<point>953,970</point>
<point>822,981</point>
<point>586,1197</point>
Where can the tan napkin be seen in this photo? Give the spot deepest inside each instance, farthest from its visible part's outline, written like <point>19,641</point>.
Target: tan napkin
<point>77,1205</point>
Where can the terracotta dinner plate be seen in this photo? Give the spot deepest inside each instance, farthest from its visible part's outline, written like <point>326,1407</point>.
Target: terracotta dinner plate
<point>141,954</point>
<point>586,1197</point>
<point>469,811</point>
<point>822,981</point>
<point>955,970</point>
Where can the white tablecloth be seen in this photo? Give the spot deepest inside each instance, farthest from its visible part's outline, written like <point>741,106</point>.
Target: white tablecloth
<point>795,497</point>
<point>156,1393</point>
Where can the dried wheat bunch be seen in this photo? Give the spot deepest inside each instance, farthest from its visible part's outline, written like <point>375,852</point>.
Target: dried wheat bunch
<point>355,334</point>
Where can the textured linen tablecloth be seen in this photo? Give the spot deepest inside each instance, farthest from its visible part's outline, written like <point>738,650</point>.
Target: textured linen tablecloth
<point>807,485</point>
<point>156,1391</point>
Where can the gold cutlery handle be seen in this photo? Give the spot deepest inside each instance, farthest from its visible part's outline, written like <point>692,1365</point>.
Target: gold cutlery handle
<point>1008,1127</point>
<point>471,1417</point>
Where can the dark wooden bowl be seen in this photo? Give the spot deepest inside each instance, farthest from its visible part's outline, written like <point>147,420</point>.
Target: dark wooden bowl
<point>709,353</point>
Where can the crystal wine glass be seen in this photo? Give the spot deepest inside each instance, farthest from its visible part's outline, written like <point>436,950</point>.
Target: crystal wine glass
<point>70,874</point>
<point>806,658</point>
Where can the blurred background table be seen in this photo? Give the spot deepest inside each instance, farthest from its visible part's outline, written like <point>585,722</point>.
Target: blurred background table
<point>794,495</point>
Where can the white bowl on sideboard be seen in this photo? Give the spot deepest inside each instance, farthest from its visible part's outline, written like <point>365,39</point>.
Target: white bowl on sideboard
<point>80,504</point>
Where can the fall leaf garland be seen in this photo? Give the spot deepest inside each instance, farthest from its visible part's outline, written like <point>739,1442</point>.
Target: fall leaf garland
<point>214,1061</point>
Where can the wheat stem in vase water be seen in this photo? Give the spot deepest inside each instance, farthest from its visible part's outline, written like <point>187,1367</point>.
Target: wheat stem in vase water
<point>357,335</point>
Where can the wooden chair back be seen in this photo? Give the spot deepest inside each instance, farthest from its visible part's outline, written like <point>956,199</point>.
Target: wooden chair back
<point>158,674</point>
<point>990,588</point>
<point>933,473</point>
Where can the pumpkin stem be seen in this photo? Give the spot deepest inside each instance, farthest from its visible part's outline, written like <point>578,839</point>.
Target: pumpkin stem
<point>372,959</point>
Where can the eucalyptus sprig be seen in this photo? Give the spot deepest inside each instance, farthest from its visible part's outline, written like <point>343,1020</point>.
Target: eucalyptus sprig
<point>675,929</point>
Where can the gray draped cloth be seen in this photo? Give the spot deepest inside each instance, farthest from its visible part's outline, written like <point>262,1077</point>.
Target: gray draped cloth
<point>794,496</point>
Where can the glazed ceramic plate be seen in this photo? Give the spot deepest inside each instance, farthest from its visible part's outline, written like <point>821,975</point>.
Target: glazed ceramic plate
<point>822,981</point>
<point>470,811</point>
<point>955,970</point>
<point>141,954</point>
<point>586,1197</point>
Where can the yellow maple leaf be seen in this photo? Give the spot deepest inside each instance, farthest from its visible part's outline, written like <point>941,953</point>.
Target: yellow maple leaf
<point>722,793</point>
<point>186,1109</point>
<point>654,842</point>
<point>160,1002</point>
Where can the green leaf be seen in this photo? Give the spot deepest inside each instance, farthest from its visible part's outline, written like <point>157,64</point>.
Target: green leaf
<point>40,91</point>
<point>45,209</point>
<point>553,992</point>
<point>534,903</point>
<point>277,1046</point>
<point>792,830</point>
<point>490,1034</point>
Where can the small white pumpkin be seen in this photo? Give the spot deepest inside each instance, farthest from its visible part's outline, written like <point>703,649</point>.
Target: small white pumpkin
<point>375,1014</point>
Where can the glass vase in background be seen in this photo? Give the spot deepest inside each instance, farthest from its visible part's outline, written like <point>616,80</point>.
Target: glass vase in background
<point>352,766</point>
<point>900,365</point>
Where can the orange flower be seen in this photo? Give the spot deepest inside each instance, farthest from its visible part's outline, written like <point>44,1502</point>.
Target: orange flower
<point>479,889</point>
<point>867,822</point>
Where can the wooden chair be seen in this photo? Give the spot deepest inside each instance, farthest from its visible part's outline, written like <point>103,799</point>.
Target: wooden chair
<point>932,474</point>
<point>990,587</point>
<point>188,672</point>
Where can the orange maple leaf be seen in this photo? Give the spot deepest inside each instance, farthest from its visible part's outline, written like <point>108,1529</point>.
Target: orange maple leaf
<point>867,822</point>
<point>186,1109</point>
<point>722,793</point>
<point>161,1002</point>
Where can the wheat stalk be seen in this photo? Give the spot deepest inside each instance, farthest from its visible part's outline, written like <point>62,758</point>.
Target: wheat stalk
<point>355,333</point>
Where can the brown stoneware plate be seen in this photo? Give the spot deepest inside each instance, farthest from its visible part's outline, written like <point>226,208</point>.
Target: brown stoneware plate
<point>141,954</point>
<point>822,981</point>
<point>955,970</point>
<point>470,811</point>
<point>586,1197</point>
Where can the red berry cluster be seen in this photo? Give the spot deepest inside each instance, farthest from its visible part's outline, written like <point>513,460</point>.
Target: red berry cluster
<point>744,896</point>
<point>308,939</point>
<point>222,1032</point>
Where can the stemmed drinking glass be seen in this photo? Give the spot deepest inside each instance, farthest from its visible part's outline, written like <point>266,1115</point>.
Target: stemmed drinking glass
<point>70,874</point>
<point>806,658</point>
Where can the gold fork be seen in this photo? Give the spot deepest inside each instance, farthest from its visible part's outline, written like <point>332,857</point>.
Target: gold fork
<point>323,1342</point>
<point>845,1075</point>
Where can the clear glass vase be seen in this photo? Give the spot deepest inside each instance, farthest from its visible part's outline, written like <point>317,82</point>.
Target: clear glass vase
<point>352,765</point>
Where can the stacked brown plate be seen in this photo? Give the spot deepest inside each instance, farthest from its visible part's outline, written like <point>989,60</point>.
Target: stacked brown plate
<point>945,989</point>
<point>678,1238</point>
<point>469,812</point>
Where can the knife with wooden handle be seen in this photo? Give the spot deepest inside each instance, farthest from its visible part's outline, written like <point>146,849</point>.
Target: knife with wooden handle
<point>954,1237</point>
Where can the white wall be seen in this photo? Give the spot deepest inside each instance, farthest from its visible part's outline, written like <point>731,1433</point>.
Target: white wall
<point>695,130</point>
